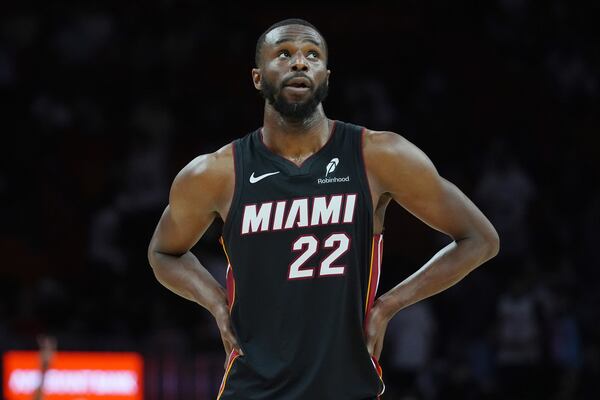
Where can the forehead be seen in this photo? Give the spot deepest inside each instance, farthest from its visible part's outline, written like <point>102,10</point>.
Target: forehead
<point>293,33</point>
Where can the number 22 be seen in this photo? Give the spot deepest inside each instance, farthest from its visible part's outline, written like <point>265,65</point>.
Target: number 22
<point>339,242</point>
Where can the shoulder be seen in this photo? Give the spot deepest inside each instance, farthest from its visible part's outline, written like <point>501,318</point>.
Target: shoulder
<point>207,167</point>
<point>208,176</point>
<point>384,150</point>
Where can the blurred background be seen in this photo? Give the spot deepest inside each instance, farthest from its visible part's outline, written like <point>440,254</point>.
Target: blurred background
<point>103,103</point>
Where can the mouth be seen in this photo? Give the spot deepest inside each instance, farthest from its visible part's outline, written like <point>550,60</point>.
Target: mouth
<point>298,86</point>
<point>297,89</point>
<point>298,83</point>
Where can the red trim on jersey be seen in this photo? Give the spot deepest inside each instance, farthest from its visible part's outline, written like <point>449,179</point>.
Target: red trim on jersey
<point>230,287</point>
<point>379,372</point>
<point>232,357</point>
<point>374,273</point>
<point>230,279</point>
<point>230,301</point>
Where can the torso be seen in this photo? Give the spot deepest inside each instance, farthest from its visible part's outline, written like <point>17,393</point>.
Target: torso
<point>303,271</point>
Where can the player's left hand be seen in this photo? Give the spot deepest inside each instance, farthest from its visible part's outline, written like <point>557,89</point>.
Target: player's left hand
<point>377,322</point>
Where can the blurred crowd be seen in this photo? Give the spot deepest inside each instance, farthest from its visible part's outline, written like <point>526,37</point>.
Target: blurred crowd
<point>102,104</point>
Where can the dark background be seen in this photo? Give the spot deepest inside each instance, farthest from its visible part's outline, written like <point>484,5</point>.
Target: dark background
<point>103,103</point>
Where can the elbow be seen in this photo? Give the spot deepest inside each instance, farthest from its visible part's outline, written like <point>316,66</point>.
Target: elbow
<point>492,244</point>
<point>152,256</point>
<point>155,263</point>
<point>160,260</point>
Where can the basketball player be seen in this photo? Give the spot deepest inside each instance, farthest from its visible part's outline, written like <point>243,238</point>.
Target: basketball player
<point>303,200</point>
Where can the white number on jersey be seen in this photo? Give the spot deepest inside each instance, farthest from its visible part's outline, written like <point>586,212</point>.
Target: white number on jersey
<point>339,242</point>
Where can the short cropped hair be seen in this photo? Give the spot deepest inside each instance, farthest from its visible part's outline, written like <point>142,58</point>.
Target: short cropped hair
<point>285,22</point>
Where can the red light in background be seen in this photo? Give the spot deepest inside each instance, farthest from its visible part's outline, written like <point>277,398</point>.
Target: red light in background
<point>74,375</point>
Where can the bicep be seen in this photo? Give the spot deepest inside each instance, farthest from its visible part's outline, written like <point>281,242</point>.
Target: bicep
<point>441,205</point>
<point>191,210</point>
<point>178,230</point>
<point>409,176</point>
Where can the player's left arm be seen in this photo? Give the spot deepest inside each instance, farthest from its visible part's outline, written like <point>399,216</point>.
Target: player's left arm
<point>399,169</point>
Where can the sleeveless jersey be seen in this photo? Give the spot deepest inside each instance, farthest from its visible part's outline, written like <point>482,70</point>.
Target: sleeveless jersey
<point>303,269</point>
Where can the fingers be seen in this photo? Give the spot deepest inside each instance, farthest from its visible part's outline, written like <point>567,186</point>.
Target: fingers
<point>371,344</point>
<point>227,334</point>
<point>229,337</point>
<point>229,348</point>
<point>375,345</point>
<point>375,333</point>
<point>371,337</point>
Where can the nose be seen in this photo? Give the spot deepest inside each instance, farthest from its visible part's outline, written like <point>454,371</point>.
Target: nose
<point>299,62</point>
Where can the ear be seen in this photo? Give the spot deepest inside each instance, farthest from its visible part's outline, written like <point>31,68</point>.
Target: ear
<point>328,73</point>
<point>257,78</point>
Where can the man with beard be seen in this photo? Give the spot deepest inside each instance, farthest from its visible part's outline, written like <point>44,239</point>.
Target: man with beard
<point>303,201</point>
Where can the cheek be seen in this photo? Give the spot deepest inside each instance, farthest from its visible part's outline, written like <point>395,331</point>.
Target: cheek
<point>276,67</point>
<point>272,76</point>
<point>270,81</point>
<point>321,76</point>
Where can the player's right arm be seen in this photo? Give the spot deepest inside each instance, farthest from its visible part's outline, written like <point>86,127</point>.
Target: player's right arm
<point>200,192</point>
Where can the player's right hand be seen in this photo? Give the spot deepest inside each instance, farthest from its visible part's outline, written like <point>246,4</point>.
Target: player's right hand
<point>230,342</point>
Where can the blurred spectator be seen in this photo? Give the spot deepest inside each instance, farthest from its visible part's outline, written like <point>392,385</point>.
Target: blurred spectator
<point>47,348</point>
<point>519,341</point>
<point>505,192</point>
<point>410,335</point>
<point>145,185</point>
<point>566,348</point>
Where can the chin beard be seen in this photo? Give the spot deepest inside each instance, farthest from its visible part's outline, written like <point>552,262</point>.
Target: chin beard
<point>294,111</point>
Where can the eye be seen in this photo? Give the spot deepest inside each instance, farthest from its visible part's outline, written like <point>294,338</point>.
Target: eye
<point>312,54</point>
<point>283,54</point>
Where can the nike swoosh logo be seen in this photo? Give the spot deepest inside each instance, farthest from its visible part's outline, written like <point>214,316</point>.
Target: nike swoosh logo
<point>254,179</point>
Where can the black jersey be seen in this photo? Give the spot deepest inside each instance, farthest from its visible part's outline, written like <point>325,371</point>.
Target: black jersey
<point>303,272</point>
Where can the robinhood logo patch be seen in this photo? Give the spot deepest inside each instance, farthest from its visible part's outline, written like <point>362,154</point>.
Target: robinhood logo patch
<point>331,166</point>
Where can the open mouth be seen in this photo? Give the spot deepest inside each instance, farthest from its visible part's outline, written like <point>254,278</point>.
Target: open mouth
<point>298,83</point>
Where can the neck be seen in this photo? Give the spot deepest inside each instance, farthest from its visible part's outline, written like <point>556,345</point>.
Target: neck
<point>275,122</point>
<point>295,140</point>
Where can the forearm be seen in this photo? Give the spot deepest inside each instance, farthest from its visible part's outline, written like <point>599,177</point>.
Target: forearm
<point>443,270</point>
<point>185,276</point>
